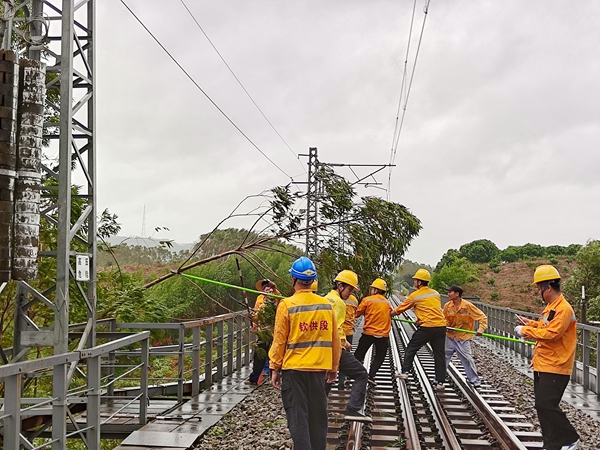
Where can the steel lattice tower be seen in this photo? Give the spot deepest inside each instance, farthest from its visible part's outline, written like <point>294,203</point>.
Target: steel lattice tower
<point>312,204</point>
<point>71,69</point>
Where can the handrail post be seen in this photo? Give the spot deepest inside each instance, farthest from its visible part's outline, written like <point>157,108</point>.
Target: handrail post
<point>230,334</point>
<point>59,413</point>
<point>144,381</point>
<point>238,350</point>
<point>196,360</point>
<point>93,403</point>
<point>220,346</point>
<point>12,406</point>
<point>208,351</point>
<point>247,341</point>
<point>111,363</point>
<point>585,358</point>
<point>597,391</point>
<point>180,364</point>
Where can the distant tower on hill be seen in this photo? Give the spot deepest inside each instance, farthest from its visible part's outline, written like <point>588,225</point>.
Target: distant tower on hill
<point>144,223</point>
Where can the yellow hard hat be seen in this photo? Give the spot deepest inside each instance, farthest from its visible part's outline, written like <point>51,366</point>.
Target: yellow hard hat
<point>423,275</point>
<point>348,277</point>
<point>379,284</point>
<point>545,273</point>
<point>353,298</point>
<point>314,286</point>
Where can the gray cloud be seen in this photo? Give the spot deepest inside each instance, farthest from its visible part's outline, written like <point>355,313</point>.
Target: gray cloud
<point>503,115</point>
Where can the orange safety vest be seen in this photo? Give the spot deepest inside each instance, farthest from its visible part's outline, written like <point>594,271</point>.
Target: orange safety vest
<point>463,317</point>
<point>348,325</point>
<point>376,309</point>
<point>556,336</point>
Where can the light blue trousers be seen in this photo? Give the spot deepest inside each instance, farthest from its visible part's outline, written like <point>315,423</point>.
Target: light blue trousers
<point>463,351</point>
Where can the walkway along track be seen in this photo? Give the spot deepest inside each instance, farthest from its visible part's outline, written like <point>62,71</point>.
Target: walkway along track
<point>413,415</point>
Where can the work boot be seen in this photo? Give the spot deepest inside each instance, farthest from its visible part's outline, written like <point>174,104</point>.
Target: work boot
<point>356,416</point>
<point>402,375</point>
<point>575,445</point>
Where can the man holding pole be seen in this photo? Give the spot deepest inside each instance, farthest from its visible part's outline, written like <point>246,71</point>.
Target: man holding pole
<point>554,354</point>
<point>462,314</point>
<point>431,326</point>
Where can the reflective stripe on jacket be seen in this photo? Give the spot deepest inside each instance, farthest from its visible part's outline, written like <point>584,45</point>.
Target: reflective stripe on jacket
<point>348,325</point>
<point>305,335</point>
<point>339,309</point>
<point>427,304</point>
<point>376,309</point>
<point>556,336</point>
<point>463,317</point>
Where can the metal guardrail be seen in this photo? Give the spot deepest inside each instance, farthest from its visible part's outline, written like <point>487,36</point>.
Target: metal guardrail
<point>501,321</point>
<point>124,357</point>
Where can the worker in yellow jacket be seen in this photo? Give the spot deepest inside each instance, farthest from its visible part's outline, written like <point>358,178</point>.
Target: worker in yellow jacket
<point>345,283</point>
<point>305,355</point>
<point>462,314</point>
<point>431,323</point>
<point>555,333</point>
<point>376,329</point>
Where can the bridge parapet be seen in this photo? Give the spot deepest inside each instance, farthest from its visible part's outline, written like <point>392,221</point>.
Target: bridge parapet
<point>87,379</point>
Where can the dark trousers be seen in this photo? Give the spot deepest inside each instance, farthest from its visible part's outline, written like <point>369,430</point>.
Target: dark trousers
<point>305,403</point>
<point>381,348</point>
<point>556,428</point>
<point>342,377</point>
<point>258,362</point>
<point>353,369</point>
<point>436,336</point>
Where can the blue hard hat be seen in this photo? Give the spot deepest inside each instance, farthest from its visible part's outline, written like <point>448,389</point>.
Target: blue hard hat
<point>303,269</point>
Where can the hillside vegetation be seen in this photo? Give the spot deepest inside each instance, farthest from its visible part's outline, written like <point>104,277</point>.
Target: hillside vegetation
<point>503,277</point>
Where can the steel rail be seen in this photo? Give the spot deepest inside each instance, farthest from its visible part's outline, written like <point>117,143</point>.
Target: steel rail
<point>494,423</point>
<point>445,429</point>
<point>411,431</point>
<point>354,441</point>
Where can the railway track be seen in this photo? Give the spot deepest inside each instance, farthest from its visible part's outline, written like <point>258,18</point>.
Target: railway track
<point>411,414</point>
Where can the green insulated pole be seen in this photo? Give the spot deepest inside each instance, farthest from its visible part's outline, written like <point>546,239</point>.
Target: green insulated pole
<point>219,283</point>
<point>492,336</point>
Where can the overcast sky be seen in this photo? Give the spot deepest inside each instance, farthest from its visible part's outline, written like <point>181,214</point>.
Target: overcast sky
<point>501,137</point>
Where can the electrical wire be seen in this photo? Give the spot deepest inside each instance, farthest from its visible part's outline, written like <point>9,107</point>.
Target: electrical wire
<point>202,90</point>
<point>240,83</point>
<point>398,128</point>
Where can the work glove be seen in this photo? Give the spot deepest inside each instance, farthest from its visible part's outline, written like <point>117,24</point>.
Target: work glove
<point>518,329</point>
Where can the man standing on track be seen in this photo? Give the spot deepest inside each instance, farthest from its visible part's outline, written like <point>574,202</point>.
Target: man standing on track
<point>345,283</point>
<point>553,358</point>
<point>376,329</point>
<point>431,324</point>
<point>306,349</point>
<point>462,314</point>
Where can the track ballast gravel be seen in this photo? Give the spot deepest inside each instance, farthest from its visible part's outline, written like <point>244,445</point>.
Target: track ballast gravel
<point>259,421</point>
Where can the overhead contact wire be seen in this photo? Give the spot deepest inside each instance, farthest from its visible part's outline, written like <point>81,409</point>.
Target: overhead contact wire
<point>202,90</point>
<point>412,76</point>
<point>239,82</point>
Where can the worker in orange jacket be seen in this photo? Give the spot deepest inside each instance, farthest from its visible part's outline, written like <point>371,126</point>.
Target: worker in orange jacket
<point>348,328</point>
<point>376,329</point>
<point>462,314</point>
<point>259,357</point>
<point>304,356</point>
<point>431,324</point>
<point>555,333</point>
